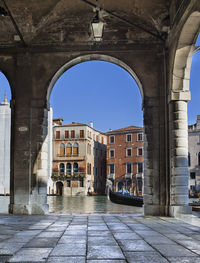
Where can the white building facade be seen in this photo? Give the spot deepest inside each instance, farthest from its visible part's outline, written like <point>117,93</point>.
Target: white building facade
<point>194,157</point>
<point>5,128</point>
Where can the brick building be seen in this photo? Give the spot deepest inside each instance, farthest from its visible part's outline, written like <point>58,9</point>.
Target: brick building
<point>125,157</point>
<point>79,159</point>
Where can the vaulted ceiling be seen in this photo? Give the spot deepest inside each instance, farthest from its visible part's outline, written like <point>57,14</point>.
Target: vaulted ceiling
<point>67,22</point>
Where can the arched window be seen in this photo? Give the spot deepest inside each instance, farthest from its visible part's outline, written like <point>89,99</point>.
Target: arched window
<point>189,159</point>
<point>199,158</point>
<point>75,168</point>
<point>75,149</point>
<point>62,149</point>
<point>62,168</point>
<point>69,148</point>
<point>69,168</point>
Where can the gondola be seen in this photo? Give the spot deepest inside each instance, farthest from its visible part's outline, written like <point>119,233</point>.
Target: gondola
<point>125,200</point>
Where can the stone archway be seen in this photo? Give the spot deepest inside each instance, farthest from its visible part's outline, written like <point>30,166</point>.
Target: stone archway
<point>178,98</point>
<point>91,57</point>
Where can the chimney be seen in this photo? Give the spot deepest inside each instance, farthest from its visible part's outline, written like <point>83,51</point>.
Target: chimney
<point>91,124</point>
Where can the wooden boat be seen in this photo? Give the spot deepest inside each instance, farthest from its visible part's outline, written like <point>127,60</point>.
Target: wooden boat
<point>125,200</point>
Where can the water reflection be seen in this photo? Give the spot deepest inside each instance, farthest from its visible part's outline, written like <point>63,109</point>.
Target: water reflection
<point>87,205</point>
<point>79,205</point>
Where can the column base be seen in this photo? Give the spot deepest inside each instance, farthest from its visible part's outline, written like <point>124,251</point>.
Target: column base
<point>177,211</point>
<point>154,210</point>
<point>33,209</point>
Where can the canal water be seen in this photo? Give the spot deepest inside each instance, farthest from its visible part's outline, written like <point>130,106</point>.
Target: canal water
<point>79,205</point>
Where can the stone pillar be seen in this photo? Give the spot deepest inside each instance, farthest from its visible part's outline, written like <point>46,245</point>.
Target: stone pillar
<point>29,149</point>
<point>30,164</point>
<point>179,154</point>
<point>154,143</point>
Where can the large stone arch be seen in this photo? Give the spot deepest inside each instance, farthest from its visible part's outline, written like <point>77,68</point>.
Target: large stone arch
<point>179,95</point>
<point>91,57</point>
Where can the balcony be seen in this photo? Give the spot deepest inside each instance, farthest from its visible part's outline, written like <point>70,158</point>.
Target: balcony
<point>74,157</point>
<point>128,175</point>
<point>59,176</point>
<point>139,176</point>
<point>111,176</point>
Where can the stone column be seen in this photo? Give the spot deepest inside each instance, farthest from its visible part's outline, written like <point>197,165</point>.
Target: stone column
<point>154,176</point>
<point>30,164</point>
<point>179,154</point>
<point>29,149</point>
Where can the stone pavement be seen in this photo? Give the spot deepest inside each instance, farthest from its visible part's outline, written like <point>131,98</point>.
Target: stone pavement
<point>102,238</point>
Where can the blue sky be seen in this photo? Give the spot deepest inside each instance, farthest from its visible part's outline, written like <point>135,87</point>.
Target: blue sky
<point>105,94</point>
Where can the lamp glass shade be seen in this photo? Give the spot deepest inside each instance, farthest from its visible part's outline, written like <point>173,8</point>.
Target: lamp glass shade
<point>97,30</point>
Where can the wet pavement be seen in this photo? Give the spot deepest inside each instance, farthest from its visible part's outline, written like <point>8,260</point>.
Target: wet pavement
<point>100,238</point>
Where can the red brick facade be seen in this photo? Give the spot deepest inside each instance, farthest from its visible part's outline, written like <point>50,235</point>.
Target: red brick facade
<point>125,158</point>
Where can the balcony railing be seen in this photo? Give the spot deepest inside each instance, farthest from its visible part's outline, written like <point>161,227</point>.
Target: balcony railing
<point>128,175</point>
<point>62,176</point>
<point>111,176</point>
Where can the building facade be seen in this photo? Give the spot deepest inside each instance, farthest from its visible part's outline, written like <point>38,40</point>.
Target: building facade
<point>194,157</point>
<point>125,158</point>
<point>79,159</point>
<point>5,127</point>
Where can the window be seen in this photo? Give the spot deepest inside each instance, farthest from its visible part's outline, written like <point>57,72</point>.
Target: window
<point>62,168</point>
<point>112,139</point>
<point>189,159</point>
<point>69,149</point>
<point>75,149</point>
<point>66,134</point>
<point>192,175</point>
<point>140,167</point>
<point>81,183</point>
<point>72,134</point>
<point>199,158</point>
<point>102,140</point>
<point>89,168</point>
<point>140,151</point>
<point>129,168</point>
<point>129,137</point>
<point>68,183</point>
<point>140,137</point>
<point>112,153</point>
<point>75,168</point>
<point>128,152</point>
<point>97,138</point>
<point>81,133</point>
<point>69,168</point>
<point>62,149</point>
<point>57,134</point>
<point>112,168</point>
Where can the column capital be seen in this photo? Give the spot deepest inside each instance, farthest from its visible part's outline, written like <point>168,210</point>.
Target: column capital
<point>179,95</point>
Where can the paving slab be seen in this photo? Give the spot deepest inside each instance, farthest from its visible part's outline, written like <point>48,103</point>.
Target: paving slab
<point>69,250</point>
<point>42,242</point>
<point>104,252</point>
<point>99,241</point>
<point>184,259</point>
<point>66,260</point>
<point>31,255</point>
<point>174,251</point>
<point>150,257</point>
<point>135,245</point>
<point>106,261</point>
